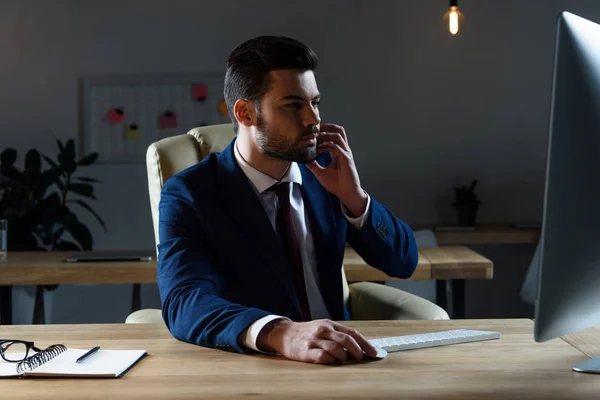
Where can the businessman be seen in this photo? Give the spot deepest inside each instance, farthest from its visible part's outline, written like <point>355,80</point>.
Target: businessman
<point>251,240</point>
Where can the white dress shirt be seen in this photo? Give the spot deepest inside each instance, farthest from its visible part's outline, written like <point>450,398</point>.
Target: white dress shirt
<point>261,182</point>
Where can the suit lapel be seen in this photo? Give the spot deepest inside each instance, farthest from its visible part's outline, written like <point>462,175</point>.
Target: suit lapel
<point>317,203</point>
<point>247,211</point>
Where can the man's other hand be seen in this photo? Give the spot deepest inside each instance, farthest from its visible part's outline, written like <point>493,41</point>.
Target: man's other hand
<point>321,341</point>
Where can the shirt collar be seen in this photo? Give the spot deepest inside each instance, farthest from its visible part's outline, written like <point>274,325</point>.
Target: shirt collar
<point>262,181</point>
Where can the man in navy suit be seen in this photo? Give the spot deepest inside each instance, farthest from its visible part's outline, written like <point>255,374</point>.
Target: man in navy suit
<point>251,240</point>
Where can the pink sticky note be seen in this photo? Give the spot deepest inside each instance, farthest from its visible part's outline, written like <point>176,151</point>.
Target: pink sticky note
<point>199,92</point>
<point>115,115</point>
<point>167,120</point>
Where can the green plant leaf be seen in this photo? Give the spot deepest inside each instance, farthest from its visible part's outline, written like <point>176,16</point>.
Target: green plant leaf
<point>61,185</point>
<point>83,189</point>
<point>70,147</point>
<point>10,172</point>
<point>8,156</point>
<point>80,233</point>
<point>88,160</point>
<point>86,179</point>
<point>52,176</point>
<point>465,195</point>
<point>46,212</point>
<point>37,186</point>
<point>56,235</point>
<point>61,147</point>
<point>66,157</point>
<point>87,207</point>
<point>33,160</point>
<point>50,161</point>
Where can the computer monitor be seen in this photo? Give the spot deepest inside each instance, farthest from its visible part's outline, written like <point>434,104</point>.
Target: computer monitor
<point>568,292</point>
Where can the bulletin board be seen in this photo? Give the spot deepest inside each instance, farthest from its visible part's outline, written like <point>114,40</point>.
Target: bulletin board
<point>123,115</point>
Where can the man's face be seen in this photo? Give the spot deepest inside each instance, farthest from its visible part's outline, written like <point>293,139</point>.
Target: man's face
<point>287,114</point>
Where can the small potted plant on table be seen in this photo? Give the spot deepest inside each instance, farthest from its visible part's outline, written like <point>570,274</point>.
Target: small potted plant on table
<point>466,204</point>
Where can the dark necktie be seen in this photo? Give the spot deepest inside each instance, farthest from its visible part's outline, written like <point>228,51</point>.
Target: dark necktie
<point>287,233</point>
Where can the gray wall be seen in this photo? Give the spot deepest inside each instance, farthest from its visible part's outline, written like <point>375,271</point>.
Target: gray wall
<point>424,111</point>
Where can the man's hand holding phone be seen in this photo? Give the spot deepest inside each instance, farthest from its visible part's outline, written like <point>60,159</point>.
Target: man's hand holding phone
<point>340,176</point>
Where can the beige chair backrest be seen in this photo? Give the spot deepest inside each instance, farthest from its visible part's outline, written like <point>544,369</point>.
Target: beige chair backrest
<point>172,155</point>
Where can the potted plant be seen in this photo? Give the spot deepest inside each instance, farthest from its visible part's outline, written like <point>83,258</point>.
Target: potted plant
<point>39,218</point>
<point>466,204</point>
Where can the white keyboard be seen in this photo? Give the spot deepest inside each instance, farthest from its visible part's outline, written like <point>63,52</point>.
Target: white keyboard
<point>432,339</point>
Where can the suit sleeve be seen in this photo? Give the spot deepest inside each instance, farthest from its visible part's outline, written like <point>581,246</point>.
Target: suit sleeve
<point>385,242</point>
<point>187,280</point>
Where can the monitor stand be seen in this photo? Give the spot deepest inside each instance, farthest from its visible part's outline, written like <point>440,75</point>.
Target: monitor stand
<point>591,366</point>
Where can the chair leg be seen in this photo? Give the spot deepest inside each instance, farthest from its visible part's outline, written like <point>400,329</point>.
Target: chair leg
<point>136,298</point>
<point>39,315</point>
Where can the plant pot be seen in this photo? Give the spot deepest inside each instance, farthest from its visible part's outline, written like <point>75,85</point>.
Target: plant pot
<point>466,214</point>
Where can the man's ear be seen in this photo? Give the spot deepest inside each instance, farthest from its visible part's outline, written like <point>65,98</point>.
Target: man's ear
<point>245,112</point>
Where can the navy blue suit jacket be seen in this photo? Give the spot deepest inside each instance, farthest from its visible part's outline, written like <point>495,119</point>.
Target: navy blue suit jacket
<point>221,265</point>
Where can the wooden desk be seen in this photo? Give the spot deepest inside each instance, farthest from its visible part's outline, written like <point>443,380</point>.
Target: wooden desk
<point>453,264</point>
<point>50,268</point>
<point>512,367</point>
<point>486,234</point>
<point>587,341</point>
<point>444,262</point>
<point>449,266</point>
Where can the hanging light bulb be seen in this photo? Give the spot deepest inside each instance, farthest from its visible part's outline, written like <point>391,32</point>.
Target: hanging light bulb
<point>454,18</point>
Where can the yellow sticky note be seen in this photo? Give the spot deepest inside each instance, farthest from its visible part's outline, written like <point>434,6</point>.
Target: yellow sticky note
<point>132,132</point>
<point>222,108</point>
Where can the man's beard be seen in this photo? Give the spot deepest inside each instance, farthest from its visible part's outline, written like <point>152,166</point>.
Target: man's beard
<point>277,145</point>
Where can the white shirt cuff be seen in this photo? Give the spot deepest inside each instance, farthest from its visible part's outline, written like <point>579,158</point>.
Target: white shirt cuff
<point>358,222</point>
<point>250,335</point>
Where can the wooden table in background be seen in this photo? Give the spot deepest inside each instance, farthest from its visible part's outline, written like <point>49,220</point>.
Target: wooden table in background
<point>486,234</point>
<point>512,367</point>
<point>451,264</point>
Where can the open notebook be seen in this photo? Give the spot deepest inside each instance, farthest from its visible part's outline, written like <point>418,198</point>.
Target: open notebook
<point>103,364</point>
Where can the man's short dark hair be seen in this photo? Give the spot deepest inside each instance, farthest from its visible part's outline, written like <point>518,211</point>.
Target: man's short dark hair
<point>249,64</point>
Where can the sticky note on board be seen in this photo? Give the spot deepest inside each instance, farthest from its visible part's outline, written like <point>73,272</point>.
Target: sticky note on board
<point>115,115</point>
<point>167,120</point>
<point>222,108</point>
<point>132,132</point>
<point>199,92</point>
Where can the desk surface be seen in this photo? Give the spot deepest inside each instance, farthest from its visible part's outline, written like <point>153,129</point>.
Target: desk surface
<point>512,367</point>
<point>587,340</point>
<point>49,268</point>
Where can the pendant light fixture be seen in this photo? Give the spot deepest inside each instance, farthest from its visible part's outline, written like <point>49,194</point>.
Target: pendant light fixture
<point>453,18</point>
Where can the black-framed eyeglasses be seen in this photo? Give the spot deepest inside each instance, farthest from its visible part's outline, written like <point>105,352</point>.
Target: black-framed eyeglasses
<point>16,350</point>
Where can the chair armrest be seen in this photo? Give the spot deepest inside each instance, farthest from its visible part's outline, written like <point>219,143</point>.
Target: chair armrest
<point>374,301</point>
<point>147,316</point>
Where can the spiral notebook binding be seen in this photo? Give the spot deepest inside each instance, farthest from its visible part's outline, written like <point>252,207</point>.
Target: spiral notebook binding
<point>40,358</point>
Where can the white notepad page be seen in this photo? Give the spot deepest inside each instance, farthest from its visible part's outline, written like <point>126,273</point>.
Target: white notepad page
<point>103,364</point>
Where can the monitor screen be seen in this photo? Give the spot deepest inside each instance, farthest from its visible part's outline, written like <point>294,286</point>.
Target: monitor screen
<point>568,280</point>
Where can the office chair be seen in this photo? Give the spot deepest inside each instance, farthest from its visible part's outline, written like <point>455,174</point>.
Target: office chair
<point>364,300</point>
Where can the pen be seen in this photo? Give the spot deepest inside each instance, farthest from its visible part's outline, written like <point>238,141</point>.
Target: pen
<point>88,354</point>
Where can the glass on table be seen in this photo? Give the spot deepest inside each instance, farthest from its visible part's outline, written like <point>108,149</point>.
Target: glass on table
<point>3,239</point>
